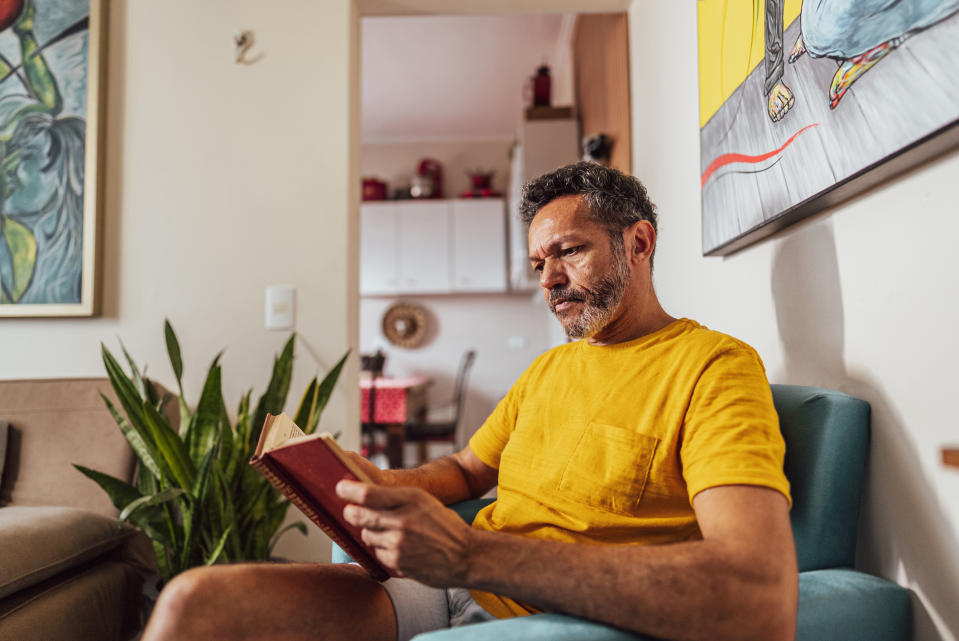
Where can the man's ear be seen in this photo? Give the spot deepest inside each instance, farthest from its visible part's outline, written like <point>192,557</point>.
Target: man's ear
<point>640,241</point>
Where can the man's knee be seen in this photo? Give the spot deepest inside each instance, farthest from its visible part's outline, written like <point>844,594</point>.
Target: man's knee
<point>183,597</point>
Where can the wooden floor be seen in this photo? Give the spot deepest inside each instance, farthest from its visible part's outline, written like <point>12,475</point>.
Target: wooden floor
<point>906,95</point>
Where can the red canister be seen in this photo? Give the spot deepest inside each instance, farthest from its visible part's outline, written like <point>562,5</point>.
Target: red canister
<point>541,87</point>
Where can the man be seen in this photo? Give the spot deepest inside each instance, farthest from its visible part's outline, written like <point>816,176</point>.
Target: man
<point>639,476</point>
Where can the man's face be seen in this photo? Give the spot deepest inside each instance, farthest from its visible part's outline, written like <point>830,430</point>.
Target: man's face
<point>583,272</point>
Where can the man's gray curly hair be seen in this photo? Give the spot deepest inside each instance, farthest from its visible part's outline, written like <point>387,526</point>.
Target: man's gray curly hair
<point>614,199</point>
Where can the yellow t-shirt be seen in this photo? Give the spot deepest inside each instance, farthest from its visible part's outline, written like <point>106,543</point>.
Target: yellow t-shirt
<point>609,444</point>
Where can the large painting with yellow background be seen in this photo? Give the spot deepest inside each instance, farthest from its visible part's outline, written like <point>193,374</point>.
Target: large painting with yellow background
<point>799,98</point>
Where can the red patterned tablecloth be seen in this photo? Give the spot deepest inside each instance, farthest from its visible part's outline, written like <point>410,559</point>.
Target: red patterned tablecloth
<point>392,404</point>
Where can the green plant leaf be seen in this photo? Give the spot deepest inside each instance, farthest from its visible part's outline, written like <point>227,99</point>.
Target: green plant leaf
<point>146,501</point>
<point>134,372</point>
<point>215,554</point>
<point>200,501</point>
<point>323,393</point>
<point>125,390</point>
<point>120,492</point>
<point>173,351</point>
<point>202,432</point>
<point>163,562</point>
<point>307,405</point>
<point>136,439</point>
<point>172,450</point>
<point>274,398</point>
<point>225,498</point>
<point>201,487</point>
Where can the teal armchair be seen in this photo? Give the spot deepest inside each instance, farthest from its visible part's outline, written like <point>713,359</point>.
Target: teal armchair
<point>827,440</point>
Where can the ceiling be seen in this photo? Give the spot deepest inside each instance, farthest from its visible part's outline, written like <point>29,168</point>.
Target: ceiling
<point>452,77</point>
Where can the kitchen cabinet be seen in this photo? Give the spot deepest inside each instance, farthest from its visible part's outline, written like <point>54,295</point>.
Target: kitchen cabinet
<point>379,272</point>
<point>479,245</point>
<point>432,247</point>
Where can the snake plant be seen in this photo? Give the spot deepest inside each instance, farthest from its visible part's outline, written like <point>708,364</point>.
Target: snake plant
<point>195,497</point>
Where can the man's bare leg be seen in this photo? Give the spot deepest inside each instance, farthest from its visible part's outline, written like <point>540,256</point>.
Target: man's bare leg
<point>280,602</point>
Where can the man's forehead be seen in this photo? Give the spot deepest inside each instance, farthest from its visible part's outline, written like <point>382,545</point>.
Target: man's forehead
<point>556,231</point>
<point>566,215</point>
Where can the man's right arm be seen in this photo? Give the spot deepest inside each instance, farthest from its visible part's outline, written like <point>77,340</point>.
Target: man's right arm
<point>457,477</point>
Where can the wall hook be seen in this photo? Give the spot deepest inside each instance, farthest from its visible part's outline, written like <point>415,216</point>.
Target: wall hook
<point>242,41</point>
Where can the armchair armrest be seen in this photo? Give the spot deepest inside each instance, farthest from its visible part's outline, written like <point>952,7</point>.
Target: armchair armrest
<point>834,605</point>
<point>539,627</point>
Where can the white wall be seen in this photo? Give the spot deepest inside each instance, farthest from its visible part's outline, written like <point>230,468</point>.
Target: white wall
<point>861,298</point>
<point>220,179</point>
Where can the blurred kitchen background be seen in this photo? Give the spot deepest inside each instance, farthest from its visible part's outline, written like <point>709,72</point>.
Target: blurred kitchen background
<point>458,112</point>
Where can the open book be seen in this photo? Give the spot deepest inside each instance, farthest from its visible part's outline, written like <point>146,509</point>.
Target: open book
<point>306,469</point>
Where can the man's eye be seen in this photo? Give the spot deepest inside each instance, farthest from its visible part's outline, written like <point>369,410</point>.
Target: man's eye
<point>538,267</point>
<point>569,251</point>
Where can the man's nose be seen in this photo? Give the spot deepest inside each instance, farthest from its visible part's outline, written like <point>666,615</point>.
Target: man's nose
<point>552,275</point>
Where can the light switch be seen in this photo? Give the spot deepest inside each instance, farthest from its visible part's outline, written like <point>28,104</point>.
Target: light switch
<point>280,306</point>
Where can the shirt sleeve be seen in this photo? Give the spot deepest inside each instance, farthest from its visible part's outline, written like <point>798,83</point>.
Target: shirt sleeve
<point>731,430</point>
<point>490,439</point>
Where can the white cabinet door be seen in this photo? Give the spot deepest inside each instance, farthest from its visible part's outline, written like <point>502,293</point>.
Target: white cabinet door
<point>379,263</point>
<point>423,241</point>
<point>479,245</point>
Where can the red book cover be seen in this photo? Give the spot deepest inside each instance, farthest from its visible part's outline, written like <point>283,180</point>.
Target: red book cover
<point>306,470</point>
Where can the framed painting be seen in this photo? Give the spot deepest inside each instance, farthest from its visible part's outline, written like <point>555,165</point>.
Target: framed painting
<point>806,103</point>
<point>51,64</point>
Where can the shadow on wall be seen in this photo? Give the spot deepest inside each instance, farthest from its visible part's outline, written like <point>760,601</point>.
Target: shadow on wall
<point>903,531</point>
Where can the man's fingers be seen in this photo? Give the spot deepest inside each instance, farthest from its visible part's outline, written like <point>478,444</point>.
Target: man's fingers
<point>386,539</point>
<point>372,519</point>
<point>375,496</point>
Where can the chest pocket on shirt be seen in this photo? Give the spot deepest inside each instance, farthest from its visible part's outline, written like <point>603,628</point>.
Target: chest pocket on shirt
<point>608,468</point>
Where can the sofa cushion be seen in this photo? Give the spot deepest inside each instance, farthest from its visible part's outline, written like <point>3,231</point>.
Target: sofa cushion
<point>37,542</point>
<point>97,602</point>
<point>53,424</point>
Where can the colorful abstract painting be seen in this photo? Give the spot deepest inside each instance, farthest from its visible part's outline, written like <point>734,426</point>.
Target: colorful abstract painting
<point>49,83</point>
<point>806,103</point>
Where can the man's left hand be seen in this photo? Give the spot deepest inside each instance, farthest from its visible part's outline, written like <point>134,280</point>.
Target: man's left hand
<point>410,531</point>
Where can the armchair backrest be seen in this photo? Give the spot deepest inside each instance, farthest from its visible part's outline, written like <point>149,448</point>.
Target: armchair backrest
<point>827,440</point>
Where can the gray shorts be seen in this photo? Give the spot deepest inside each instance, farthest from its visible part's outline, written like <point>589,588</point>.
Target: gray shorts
<point>420,608</point>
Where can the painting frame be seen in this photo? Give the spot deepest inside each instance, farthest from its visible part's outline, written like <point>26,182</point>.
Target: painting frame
<point>89,303</point>
<point>849,148</point>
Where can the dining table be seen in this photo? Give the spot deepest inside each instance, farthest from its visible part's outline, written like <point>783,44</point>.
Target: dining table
<point>396,401</point>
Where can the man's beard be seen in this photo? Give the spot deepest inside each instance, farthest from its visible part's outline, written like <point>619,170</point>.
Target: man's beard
<point>600,302</point>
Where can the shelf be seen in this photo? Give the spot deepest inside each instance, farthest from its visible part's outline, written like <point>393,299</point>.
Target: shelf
<point>950,456</point>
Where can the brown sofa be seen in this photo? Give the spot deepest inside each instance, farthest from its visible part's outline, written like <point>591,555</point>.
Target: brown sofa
<point>69,570</point>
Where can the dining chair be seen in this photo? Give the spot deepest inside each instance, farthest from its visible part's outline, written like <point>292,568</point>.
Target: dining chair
<point>369,429</point>
<point>424,432</point>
